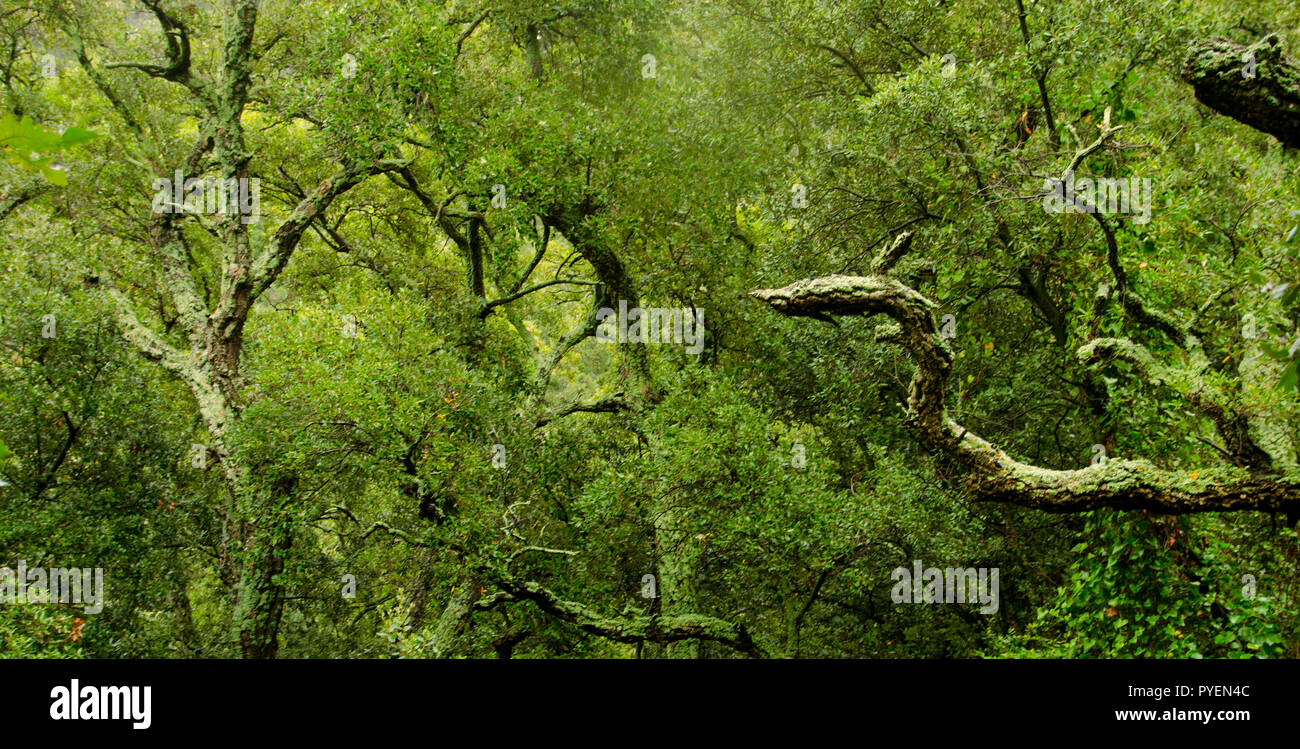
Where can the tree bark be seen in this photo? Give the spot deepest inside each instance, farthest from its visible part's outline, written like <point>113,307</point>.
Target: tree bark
<point>1268,100</point>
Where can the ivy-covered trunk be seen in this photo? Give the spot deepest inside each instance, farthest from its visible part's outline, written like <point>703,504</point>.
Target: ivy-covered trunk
<point>678,553</point>
<point>259,599</point>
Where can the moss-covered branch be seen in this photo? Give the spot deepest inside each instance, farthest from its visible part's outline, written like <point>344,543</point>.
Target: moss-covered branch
<point>991,473</point>
<point>659,629</point>
<point>1256,85</point>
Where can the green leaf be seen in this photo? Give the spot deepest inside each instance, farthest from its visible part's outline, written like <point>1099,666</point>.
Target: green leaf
<point>32,147</point>
<point>76,135</point>
<point>1290,376</point>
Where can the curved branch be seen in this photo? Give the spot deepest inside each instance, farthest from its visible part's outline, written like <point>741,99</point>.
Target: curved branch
<point>177,68</point>
<point>853,66</point>
<point>487,308</point>
<point>992,474</point>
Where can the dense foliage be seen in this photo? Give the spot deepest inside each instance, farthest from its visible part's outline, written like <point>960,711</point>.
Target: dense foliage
<point>378,418</point>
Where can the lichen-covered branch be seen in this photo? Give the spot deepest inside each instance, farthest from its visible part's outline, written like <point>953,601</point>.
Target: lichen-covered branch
<point>268,265</point>
<point>991,473</point>
<point>658,629</point>
<point>1255,85</point>
<point>149,343</point>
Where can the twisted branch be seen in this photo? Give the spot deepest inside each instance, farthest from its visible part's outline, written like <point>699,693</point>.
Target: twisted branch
<point>992,474</point>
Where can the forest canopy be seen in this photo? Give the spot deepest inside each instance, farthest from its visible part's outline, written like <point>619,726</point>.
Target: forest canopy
<point>649,329</point>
